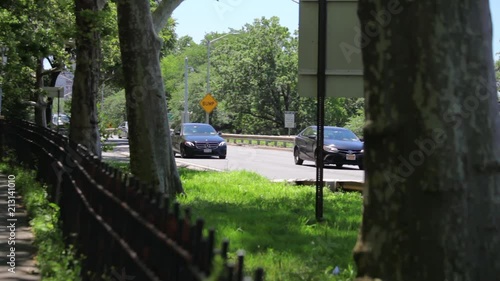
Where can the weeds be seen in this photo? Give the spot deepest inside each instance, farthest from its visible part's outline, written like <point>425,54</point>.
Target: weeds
<point>56,261</point>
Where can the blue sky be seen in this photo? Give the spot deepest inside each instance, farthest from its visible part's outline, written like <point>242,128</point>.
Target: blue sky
<point>198,17</point>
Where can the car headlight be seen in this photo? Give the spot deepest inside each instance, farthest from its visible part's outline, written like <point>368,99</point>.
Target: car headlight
<point>188,143</point>
<point>330,148</point>
<point>222,143</point>
<point>362,151</point>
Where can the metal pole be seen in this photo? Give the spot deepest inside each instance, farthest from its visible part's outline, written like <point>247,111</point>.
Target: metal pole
<point>185,116</point>
<point>209,42</point>
<point>208,78</point>
<point>322,21</point>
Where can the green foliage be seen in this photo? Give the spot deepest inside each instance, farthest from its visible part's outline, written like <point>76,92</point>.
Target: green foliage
<point>56,261</point>
<point>356,123</point>
<point>257,76</point>
<point>31,30</point>
<point>123,166</point>
<point>113,111</point>
<point>253,76</point>
<point>173,68</point>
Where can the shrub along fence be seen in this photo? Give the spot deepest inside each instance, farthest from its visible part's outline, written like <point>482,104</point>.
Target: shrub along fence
<point>120,225</point>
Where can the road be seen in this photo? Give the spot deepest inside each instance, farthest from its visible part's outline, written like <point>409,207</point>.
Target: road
<point>275,164</point>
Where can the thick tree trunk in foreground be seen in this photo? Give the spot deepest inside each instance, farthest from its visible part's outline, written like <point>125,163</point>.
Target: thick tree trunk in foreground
<point>84,127</point>
<point>432,205</point>
<point>151,155</point>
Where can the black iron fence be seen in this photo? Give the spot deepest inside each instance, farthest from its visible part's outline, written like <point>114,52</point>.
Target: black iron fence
<point>119,224</point>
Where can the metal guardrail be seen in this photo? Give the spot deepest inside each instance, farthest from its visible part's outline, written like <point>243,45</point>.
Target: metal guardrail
<point>278,141</point>
<point>114,220</point>
<point>267,140</point>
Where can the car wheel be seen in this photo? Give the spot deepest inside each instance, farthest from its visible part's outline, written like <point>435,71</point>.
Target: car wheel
<point>361,167</point>
<point>296,157</point>
<point>339,165</point>
<point>222,156</point>
<point>183,152</point>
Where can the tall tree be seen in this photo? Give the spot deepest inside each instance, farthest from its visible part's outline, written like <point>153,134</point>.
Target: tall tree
<point>255,81</point>
<point>259,66</point>
<point>34,32</point>
<point>84,127</point>
<point>151,155</point>
<point>432,204</point>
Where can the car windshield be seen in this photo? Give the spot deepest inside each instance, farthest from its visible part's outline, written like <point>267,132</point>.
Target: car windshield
<point>343,135</point>
<point>199,130</point>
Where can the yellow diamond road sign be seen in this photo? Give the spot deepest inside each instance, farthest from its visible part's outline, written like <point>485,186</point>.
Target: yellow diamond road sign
<point>208,103</point>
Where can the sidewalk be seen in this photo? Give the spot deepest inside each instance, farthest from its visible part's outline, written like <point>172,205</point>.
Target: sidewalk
<point>17,261</point>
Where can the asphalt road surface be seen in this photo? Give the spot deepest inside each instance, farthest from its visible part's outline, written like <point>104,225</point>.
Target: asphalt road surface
<point>276,164</point>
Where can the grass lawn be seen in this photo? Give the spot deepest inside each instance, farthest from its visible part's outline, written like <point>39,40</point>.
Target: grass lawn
<point>275,223</point>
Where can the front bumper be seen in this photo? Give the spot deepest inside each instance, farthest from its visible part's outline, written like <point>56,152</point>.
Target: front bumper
<point>344,158</point>
<point>196,151</point>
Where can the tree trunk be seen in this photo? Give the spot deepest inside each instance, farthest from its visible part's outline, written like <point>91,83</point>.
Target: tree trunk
<point>151,155</point>
<point>84,123</point>
<point>432,204</point>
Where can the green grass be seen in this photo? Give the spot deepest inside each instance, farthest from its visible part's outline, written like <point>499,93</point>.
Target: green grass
<point>275,223</point>
<point>56,261</point>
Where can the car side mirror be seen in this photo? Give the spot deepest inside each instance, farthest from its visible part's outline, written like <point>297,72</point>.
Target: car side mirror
<point>177,133</point>
<point>312,136</point>
<point>361,139</point>
<point>219,133</point>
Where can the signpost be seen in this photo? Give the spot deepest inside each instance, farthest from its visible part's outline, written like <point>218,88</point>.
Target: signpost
<point>289,120</point>
<point>330,62</point>
<point>208,103</point>
<point>55,92</point>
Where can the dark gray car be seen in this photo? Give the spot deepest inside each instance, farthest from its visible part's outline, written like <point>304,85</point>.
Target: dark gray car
<point>341,146</point>
<point>198,139</point>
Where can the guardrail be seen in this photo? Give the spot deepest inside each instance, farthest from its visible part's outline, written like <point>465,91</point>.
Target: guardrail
<point>278,141</point>
<point>267,140</point>
<point>115,221</point>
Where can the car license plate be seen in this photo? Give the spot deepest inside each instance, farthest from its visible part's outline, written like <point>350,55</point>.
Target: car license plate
<point>350,156</point>
<point>207,150</point>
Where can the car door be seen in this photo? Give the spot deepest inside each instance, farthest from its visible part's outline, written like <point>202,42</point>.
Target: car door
<point>303,143</point>
<point>310,142</point>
